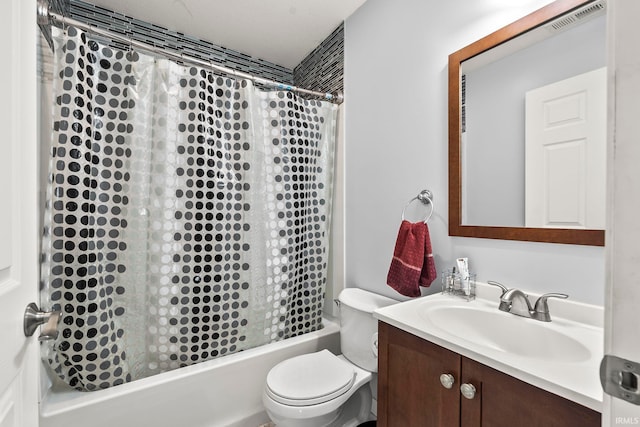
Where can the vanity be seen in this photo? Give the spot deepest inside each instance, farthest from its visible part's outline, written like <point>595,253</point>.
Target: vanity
<point>446,362</point>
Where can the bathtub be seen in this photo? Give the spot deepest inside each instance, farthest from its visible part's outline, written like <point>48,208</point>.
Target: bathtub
<point>225,392</point>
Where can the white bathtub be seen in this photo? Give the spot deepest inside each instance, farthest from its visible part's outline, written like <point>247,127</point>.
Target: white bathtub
<point>223,392</point>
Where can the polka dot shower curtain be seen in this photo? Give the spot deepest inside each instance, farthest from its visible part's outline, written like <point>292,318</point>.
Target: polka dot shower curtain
<point>187,214</point>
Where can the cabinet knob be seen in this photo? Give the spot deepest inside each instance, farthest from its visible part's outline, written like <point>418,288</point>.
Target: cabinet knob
<point>468,390</point>
<point>447,380</point>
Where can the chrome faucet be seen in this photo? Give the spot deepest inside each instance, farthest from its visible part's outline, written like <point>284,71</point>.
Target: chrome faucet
<point>516,302</point>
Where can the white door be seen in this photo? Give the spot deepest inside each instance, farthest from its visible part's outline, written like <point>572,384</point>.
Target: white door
<point>18,212</point>
<point>565,152</point>
<point>622,302</point>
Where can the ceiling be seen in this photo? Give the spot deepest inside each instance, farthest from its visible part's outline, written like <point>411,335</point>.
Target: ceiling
<point>279,31</point>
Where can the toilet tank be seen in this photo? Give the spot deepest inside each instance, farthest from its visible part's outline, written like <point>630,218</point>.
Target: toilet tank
<point>358,327</point>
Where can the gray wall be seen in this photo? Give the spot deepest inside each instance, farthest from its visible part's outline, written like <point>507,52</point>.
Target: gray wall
<point>495,106</point>
<point>396,144</point>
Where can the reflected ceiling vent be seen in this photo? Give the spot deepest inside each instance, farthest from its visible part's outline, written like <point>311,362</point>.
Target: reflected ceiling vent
<point>578,16</point>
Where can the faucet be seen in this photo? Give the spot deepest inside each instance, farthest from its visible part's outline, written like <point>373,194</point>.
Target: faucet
<point>516,302</point>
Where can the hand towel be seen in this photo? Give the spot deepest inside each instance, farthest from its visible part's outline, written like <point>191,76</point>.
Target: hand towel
<point>412,265</point>
<point>428,273</point>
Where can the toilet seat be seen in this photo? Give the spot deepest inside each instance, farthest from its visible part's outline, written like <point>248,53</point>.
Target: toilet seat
<point>310,379</point>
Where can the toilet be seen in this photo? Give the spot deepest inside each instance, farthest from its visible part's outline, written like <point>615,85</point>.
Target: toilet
<point>322,389</point>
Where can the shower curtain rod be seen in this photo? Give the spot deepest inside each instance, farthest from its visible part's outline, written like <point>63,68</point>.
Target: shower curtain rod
<point>45,16</point>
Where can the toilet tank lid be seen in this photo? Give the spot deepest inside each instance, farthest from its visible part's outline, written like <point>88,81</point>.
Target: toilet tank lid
<point>364,301</point>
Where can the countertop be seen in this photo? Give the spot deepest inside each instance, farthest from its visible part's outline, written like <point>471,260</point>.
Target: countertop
<point>578,381</point>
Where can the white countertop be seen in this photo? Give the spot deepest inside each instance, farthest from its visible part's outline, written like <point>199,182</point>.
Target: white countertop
<point>576,380</point>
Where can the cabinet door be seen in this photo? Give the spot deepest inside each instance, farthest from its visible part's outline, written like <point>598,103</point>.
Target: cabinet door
<point>503,401</point>
<point>409,388</point>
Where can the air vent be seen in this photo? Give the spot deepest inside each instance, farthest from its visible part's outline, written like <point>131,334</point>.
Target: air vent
<point>564,22</point>
<point>579,15</point>
<point>592,8</point>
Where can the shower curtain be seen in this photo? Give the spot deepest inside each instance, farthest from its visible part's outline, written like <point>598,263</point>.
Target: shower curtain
<point>187,214</point>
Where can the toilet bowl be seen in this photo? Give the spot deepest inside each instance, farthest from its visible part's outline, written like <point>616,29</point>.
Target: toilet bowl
<point>321,389</point>
<point>311,389</point>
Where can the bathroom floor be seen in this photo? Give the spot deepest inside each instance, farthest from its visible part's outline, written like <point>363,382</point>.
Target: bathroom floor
<point>366,424</point>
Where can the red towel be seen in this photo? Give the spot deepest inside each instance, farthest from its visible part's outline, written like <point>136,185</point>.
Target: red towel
<point>412,265</point>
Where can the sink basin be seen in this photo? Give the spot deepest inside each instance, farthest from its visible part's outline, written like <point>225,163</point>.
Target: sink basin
<point>505,332</point>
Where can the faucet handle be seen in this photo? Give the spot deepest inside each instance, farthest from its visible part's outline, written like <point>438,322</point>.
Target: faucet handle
<point>500,285</point>
<point>541,307</point>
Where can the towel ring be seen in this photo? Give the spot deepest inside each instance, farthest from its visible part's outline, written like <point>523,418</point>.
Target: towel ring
<point>426,197</point>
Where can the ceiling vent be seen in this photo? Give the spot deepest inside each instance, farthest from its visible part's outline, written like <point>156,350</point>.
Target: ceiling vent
<point>578,16</point>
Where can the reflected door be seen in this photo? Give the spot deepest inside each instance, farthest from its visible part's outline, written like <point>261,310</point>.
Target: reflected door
<point>565,145</point>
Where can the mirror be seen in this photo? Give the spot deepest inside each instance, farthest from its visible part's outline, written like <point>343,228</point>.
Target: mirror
<point>527,129</point>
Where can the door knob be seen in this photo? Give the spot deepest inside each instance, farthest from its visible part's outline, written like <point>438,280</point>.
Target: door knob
<point>33,318</point>
<point>468,390</point>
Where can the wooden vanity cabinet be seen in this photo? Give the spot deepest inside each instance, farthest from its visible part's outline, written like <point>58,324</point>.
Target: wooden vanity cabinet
<point>410,392</point>
<point>409,389</point>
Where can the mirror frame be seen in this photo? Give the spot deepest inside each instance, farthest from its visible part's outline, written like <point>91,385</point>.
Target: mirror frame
<point>456,228</point>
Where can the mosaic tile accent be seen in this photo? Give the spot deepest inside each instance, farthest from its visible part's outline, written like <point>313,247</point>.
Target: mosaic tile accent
<point>161,37</point>
<point>463,103</point>
<point>323,69</point>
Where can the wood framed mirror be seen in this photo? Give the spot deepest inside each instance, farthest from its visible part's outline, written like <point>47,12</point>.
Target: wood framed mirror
<point>523,34</point>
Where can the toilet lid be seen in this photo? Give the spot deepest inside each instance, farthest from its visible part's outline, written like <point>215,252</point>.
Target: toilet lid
<point>309,379</point>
